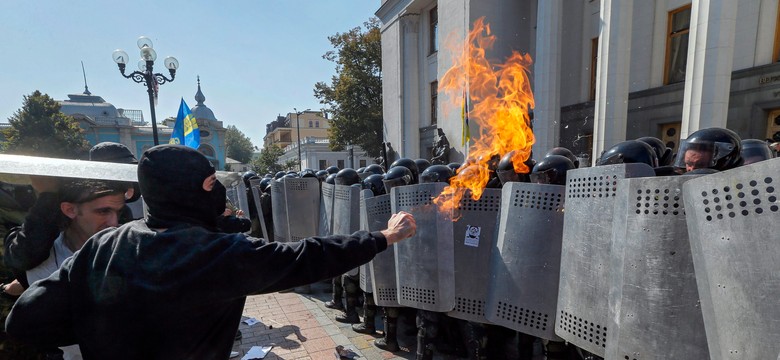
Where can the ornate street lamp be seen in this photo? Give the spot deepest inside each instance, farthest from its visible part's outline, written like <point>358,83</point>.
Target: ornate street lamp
<point>298,125</point>
<point>146,74</point>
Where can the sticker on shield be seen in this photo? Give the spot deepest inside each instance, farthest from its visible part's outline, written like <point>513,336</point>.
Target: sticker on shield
<point>472,235</point>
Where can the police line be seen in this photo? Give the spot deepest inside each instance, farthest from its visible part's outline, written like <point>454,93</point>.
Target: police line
<point>618,262</point>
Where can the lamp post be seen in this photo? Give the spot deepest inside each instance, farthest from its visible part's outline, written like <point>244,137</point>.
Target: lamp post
<point>298,126</point>
<point>146,74</point>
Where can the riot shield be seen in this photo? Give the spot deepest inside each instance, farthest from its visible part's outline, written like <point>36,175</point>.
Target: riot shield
<point>255,185</point>
<point>425,262</point>
<point>236,194</point>
<point>733,227</point>
<point>474,238</point>
<point>326,209</point>
<point>375,212</point>
<point>16,169</point>
<point>279,211</point>
<point>346,212</point>
<point>524,286</point>
<point>654,306</point>
<point>303,207</point>
<point>583,289</point>
<point>365,269</point>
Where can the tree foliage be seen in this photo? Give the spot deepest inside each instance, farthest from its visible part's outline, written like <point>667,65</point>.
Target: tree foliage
<point>268,161</point>
<point>237,145</point>
<point>40,129</point>
<point>354,98</point>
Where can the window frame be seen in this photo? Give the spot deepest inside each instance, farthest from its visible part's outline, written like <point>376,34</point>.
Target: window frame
<point>433,30</point>
<point>434,96</point>
<point>669,36</point>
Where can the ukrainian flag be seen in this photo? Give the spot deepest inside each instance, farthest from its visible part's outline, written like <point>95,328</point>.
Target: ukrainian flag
<point>464,119</point>
<point>185,131</point>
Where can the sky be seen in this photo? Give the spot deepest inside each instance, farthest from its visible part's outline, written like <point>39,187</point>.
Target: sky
<point>256,59</point>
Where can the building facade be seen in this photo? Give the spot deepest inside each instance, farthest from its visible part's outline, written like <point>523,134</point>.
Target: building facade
<point>603,71</point>
<point>315,150</point>
<point>101,121</point>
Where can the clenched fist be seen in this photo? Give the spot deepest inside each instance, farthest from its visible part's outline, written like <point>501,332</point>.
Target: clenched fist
<point>400,226</point>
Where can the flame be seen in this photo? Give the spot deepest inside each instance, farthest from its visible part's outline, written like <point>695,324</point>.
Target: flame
<point>500,97</point>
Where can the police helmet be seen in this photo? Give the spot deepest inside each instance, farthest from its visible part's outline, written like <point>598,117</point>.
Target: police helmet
<point>374,183</point>
<point>347,176</point>
<point>551,170</point>
<point>248,176</point>
<point>332,169</point>
<point>279,175</point>
<point>331,179</point>
<point>754,150</point>
<point>422,164</point>
<point>436,173</point>
<point>265,182</point>
<point>321,175</point>
<point>361,170</point>
<point>665,155</point>
<point>505,170</point>
<point>374,169</point>
<point>307,173</point>
<point>712,148</point>
<point>628,152</point>
<point>564,152</point>
<point>409,164</point>
<point>397,176</point>
<point>454,166</point>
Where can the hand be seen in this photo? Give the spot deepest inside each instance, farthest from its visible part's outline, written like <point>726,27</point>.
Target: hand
<point>400,226</point>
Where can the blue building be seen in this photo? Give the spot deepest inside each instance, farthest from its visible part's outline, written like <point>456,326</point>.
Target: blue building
<point>102,121</point>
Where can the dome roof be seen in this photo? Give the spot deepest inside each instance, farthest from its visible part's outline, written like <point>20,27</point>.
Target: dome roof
<point>89,105</point>
<point>200,111</point>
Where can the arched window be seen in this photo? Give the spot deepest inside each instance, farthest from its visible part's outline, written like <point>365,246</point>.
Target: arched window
<point>206,150</point>
<point>311,123</point>
<point>317,123</point>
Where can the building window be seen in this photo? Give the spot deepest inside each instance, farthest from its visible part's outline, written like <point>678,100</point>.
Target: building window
<point>677,45</point>
<point>340,164</point>
<point>206,150</point>
<point>433,30</point>
<point>323,164</point>
<point>670,134</point>
<point>311,124</point>
<point>362,163</point>
<point>317,123</point>
<point>434,97</point>
<point>594,58</point>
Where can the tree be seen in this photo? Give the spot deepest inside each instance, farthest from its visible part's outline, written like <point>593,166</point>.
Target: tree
<point>40,129</point>
<point>267,162</point>
<point>237,145</point>
<point>355,96</point>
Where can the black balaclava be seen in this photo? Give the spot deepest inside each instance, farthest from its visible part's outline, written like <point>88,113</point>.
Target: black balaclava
<point>171,180</point>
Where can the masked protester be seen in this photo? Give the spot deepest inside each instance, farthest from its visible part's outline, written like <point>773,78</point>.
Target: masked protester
<point>148,288</point>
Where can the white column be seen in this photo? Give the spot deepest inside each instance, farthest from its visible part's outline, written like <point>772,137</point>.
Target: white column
<point>710,60</point>
<point>612,71</point>
<point>410,87</point>
<point>547,70</point>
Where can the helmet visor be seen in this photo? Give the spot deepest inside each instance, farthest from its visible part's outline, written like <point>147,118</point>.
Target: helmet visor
<point>704,155</point>
<point>756,152</point>
<point>544,177</point>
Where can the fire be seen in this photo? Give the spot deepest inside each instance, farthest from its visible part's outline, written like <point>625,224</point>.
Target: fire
<point>500,97</point>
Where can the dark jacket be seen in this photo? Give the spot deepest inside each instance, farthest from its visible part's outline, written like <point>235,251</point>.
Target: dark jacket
<point>132,293</point>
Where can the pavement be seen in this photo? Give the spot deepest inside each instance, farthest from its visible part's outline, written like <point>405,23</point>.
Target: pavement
<point>299,326</point>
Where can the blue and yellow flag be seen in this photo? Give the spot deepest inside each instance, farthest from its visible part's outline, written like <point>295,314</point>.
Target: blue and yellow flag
<point>464,118</point>
<point>185,131</point>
